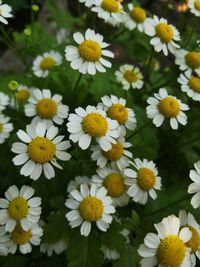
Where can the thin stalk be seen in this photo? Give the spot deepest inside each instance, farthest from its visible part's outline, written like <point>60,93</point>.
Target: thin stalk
<point>139,130</point>
<point>75,89</point>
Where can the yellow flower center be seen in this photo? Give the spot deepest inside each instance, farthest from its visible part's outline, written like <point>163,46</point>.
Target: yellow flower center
<point>194,84</point>
<point>111,6</point>
<point>47,63</point>
<point>41,150</point>
<point>46,108</point>
<point>165,32</point>
<point>146,179</point>
<point>118,112</point>
<point>171,251</point>
<point>91,209</point>
<point>115,153</point>
<point>192,59</point>
<point>114,183</point>
<point>19,236</point>
<point>23,95</point>
<point>194,242</point>
<point>95,125</point>
<point>90,50</point>
<point>130,76</point>
<point>138,14</point>
<point>1,128</point>
<point>197,5</point>
<point>169,107</point>
<point>18,208</point>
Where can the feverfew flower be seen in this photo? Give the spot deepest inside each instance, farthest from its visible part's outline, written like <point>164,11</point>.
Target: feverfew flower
<point>89,205</point>
<point>88,57</point>
<point>39,149</point>
<point>4,239</point>
<point>143,180</point>
<point>87,3</point>
<point>5,128</point>
<point>44,63</point>
<point>168,247</point>
<point>163,106</point>
<point>5,12</point>
<point>194,6</point>
<point>164,35</point>
<point>50,248</point>
<point>19,206</point>
<point>4,101</point>
<point>78,180</point>
<point>194,188</point>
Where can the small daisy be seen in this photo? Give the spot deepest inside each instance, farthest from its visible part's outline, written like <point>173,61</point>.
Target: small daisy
<point>188,220</point>
<point>194,188</point>
<point>75,184</point>
<point>190,84</point>
<point>44,63</point>
<point>163,106</point>
<point>38,151</point>
<point>167,248</point>
<point>114,182</point>
<point>188,60</point>
<point>87,3</point>
<point>23,92</point>
<point>142,180</point>
<point>4,240</point>
<point>19,207</point>
<point>5,128</point>
<point>58,247</point>
<point>135,18</point>
<point>4,101</point>
<point>46,108</point>
<point>164,35</point>
<point>90,204</point>
<point>24,239</point>
<point>88,57</point>
<point>5,12</point>
<point>62,35</point>
<point>129,76</point>
<point>118,155</point>
<point>92,123</point>
<point>194,6</point>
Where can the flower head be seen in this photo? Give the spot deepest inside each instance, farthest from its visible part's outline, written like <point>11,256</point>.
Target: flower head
<point>5,128</point>
<point>194,6</point>
<point>50,248</point>
<point>78,180</point>
<point>194,188</point>
<point>4,101</point>
<point>5,12</point>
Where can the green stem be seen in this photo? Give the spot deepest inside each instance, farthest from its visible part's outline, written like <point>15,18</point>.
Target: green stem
<point>149,60</point>
<point>75,90</point>
<point>165,83</point>
<point>139,130</point>
<point>120,32</point>
<point>191,33</point>
<point>190,141</point>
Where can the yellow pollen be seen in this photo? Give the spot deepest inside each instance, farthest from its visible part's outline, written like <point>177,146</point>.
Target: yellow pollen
<point>118,112</point>
<point>169,107</point>
<point>95,125</point>
<point>171,251</point>
<point>194,84</point>
<point>46,108</point>
<point>115,153</point>
<point>165,32</point>
<point>111,6</point>
<point>19,236</point>
<point>41,150</point>
<point>1,128</point>
<point>91,209</point>
<point>18,208</point>
<point>146,179</point>
<point>192,59</point>
<point>194,242</point>
<point>114,183</point>
<point>197,5</point>
<point>130,76</point>
<point>90,50</point>
<point>23,95</point>
<point>138,14</point>
<point>47,63</point>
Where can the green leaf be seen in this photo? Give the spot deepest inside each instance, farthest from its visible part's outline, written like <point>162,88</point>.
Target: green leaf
<point>129,258</point>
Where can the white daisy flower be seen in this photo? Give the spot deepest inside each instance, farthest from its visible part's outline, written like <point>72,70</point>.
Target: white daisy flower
<point>62,35</point>
<point>88,57</point>
<point>167,248</point>
<point>46,108</point>
<point>5,128</point>
<point>58,247</point>
<point>194,6</point>
<point>92,123</point>
<point>44,63</point>
<point>24,239</point>
<point>114,182</point>
<point>4,101</point>
<point>23,92</point>
<point>142,180</point>
<point>75,184</point>
<point>194,188</point>
<point>188,60</point>
<point>129,76</point>
<point>19,206</point>
<point>189,221</point>
<point>190,84</point>
<point>5,12</point>
<point>116,110</point>
<point>118,155</point>
<point>135,18</point>
<point>163,106</point>
<point>4,241</point>
<point>164,35</point>
<point>89,205</point>
<point>87,3</point>
<point>38,151</point>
